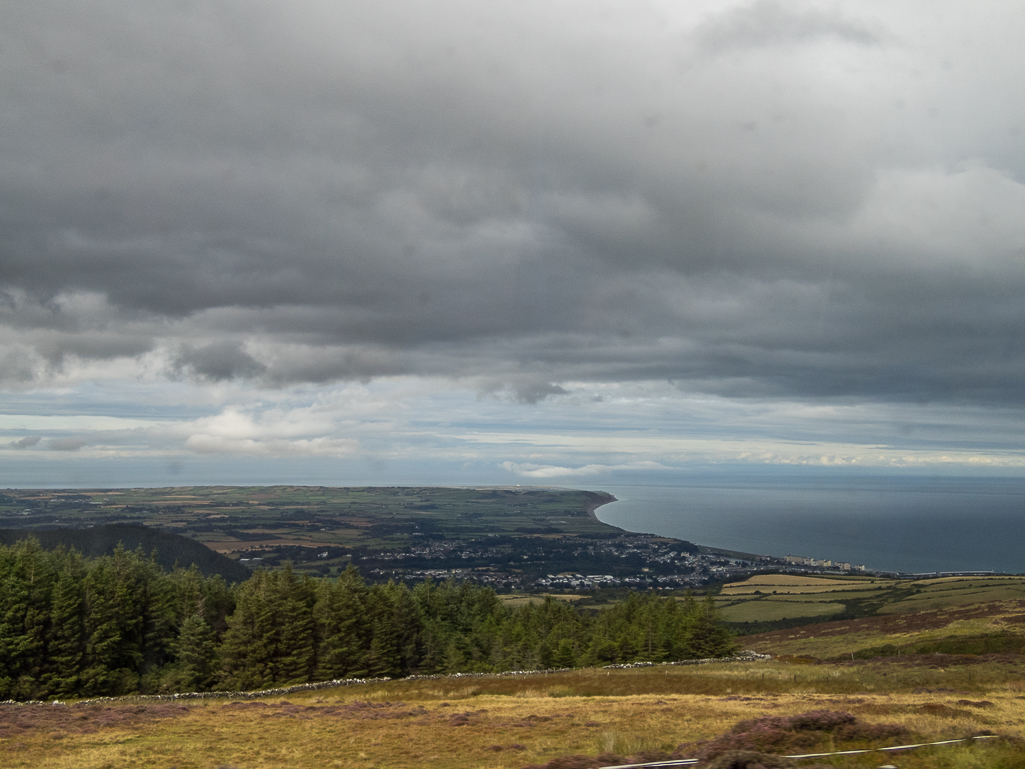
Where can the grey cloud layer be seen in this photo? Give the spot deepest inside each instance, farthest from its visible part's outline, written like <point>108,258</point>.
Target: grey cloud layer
<point>771,199</point>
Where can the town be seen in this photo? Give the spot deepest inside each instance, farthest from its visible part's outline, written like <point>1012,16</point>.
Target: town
<point>538,564</point>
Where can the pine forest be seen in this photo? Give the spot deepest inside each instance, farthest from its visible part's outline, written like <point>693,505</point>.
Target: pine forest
<point>119,624</point>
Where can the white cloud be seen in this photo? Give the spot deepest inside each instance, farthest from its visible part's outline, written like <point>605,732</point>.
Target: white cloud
<point>553,471</point>
<point>272,447</point>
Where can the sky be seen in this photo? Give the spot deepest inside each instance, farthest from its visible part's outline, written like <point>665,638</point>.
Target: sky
<point>521,241</point>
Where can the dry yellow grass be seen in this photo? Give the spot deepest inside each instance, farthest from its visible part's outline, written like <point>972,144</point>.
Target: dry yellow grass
<point>788,583</point>
<point>523,600</point>
<point>503,723</point>
<point>770,610</point>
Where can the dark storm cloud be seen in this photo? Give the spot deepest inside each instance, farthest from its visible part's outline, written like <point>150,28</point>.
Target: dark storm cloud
<point>533,393</point>
<point>764,199</point>
<point>217,361</point>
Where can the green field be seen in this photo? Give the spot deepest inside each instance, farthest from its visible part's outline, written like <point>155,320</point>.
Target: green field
<point>950,615</point>
<point>370,516</point>
<point>239,520</point>
<point>752,605</point>
<point>517,600</point>
<point>766,610</point>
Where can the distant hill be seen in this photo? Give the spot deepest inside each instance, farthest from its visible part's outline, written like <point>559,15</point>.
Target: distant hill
<point>101,540</point>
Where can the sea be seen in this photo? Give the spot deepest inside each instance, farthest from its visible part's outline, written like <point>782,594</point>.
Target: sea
<point>910,525</point>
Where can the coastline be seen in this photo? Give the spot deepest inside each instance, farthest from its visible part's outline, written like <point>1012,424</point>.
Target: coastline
<point>592,506</point>
<point>892,525</point>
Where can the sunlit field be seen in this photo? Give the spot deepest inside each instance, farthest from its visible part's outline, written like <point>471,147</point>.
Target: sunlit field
<point>771,597</point>
<point>518,721</point>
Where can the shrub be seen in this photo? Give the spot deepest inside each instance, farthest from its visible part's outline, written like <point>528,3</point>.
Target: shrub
<point>794,734</point>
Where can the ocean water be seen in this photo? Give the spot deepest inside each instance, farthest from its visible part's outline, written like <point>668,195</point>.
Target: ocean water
<point>907,525</point>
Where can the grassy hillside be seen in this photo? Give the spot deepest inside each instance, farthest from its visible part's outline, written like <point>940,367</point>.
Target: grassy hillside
<point>763,600</point>
<point>514,722</point>
<point>996,628</point>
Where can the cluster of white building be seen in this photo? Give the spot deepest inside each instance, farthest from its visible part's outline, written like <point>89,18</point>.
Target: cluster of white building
<point>800,560</point>
<point>578,580</point>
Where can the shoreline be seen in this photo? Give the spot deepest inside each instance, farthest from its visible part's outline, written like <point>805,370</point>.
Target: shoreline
<point>708,549</point>
<point>592,506</point>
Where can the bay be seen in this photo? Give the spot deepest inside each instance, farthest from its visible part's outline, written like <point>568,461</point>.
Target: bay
<point>894,524</point>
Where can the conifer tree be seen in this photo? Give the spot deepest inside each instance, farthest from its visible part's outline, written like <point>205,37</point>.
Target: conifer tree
<point>115,623</point>
<point>218,603</point>
<point>159,629</point>
<point>66,643</point>
<point>195,653</point>
<point>565,655</point>
<point>102,630</point>
<point>435,633</point>
<point>408,623</point>
<point>24,618</point>
<point>293,644</point>
<point>189,591</point>
<point>545,656</point>
<point>709,637</point>
<point>246,648</point>
<point>341,631</point>
<point>383,658</point>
